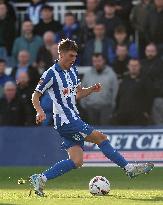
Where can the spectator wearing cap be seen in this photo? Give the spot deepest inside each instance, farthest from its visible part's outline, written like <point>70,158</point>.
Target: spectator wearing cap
<point>24,65</point>
<point>98,44</point>
<point>99,106</point>
<point>47,23</point>
<point>34,11</point>
<point>27,41</point>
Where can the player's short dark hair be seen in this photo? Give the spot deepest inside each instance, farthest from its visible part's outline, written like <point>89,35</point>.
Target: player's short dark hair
<point>120,29</point>
<point>67,45</point>
<point>2,60</point>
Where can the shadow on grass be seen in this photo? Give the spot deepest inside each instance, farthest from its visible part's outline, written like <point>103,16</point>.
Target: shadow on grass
<point>6,204</point>
<point>151,199</point>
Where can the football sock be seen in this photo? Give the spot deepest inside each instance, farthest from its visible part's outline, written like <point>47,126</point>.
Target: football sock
<point>112,154</point>
<point>59,169</point>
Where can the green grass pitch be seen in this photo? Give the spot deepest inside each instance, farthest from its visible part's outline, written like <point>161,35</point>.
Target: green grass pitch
<point>72,188</point>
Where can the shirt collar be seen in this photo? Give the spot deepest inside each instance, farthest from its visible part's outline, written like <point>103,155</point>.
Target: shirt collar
<point>58,67</point>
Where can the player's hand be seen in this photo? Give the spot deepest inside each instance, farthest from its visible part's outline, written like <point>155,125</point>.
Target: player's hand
<point>41,116</point>
<point>96,87</point>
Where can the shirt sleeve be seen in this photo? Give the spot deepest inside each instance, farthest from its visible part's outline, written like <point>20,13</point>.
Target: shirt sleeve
<point>45,82</point>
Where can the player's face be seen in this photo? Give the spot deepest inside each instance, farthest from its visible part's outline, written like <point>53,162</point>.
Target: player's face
<point>68,58</point>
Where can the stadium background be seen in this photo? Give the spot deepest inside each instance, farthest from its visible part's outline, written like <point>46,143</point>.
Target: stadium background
<point>121,46</point>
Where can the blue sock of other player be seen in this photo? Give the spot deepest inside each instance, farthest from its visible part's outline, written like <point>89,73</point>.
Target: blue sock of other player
<point>59,169</point>
<point>112,154</point>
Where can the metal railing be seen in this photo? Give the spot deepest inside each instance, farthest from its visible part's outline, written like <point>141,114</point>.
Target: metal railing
<point>59,8</point>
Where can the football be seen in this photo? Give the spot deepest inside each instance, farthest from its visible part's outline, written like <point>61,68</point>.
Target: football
<point>99,186</point>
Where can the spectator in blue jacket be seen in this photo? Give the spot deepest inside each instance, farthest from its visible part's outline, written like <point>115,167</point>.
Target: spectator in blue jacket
<point>70,29</point>
<point>98,44</point>
<point>121,38</point>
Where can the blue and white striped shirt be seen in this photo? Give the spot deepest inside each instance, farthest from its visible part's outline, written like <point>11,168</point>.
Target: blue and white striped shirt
<point>61,86</point>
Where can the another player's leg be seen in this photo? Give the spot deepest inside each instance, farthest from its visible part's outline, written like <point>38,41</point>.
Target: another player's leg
<point>131,170</point>
<point>75,160</point>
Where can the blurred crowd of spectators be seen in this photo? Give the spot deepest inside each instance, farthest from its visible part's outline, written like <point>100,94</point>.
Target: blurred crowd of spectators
<point>121,42</point>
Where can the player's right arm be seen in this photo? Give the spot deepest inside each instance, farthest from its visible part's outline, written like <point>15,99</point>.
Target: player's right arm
<point>45,83</point>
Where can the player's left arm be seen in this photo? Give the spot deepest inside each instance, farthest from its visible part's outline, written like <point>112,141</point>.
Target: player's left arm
<point>83,92</point>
